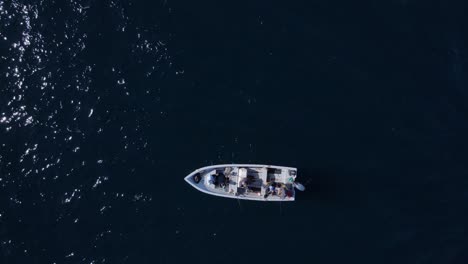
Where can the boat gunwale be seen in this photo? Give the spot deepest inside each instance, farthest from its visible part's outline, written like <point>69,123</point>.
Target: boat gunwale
<point>211,167</point>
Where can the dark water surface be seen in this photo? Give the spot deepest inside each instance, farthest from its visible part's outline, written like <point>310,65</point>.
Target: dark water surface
<point>107,105</point>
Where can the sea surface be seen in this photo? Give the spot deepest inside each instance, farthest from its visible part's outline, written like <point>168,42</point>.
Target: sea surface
<point>105,106</point>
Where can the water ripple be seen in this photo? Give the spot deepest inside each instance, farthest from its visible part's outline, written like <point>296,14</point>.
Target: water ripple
<point>68,120</point>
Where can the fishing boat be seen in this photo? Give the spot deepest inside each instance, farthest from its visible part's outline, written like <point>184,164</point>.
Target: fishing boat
<point>247,181</point>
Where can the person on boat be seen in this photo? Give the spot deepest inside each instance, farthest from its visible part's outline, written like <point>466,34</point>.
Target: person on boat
<point>243,183</point>
<point>222,180</point>
<point>271,189</point>
<point>277,190</point>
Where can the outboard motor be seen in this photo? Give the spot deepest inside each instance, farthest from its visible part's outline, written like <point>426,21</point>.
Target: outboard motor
<point>299,186</point>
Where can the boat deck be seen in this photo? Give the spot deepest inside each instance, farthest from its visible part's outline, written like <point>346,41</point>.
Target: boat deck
<point>247,182</point>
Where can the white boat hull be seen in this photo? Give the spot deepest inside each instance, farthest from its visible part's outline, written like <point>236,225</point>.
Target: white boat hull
<point>245,181</point>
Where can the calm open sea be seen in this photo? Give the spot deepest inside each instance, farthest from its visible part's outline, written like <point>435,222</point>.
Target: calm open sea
<point>106,105</point>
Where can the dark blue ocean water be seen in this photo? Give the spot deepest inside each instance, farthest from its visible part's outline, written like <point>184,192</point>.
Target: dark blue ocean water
<point>106,105</point>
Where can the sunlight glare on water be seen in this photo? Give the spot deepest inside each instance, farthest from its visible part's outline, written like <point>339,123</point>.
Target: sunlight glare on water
<point>57,105</point>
